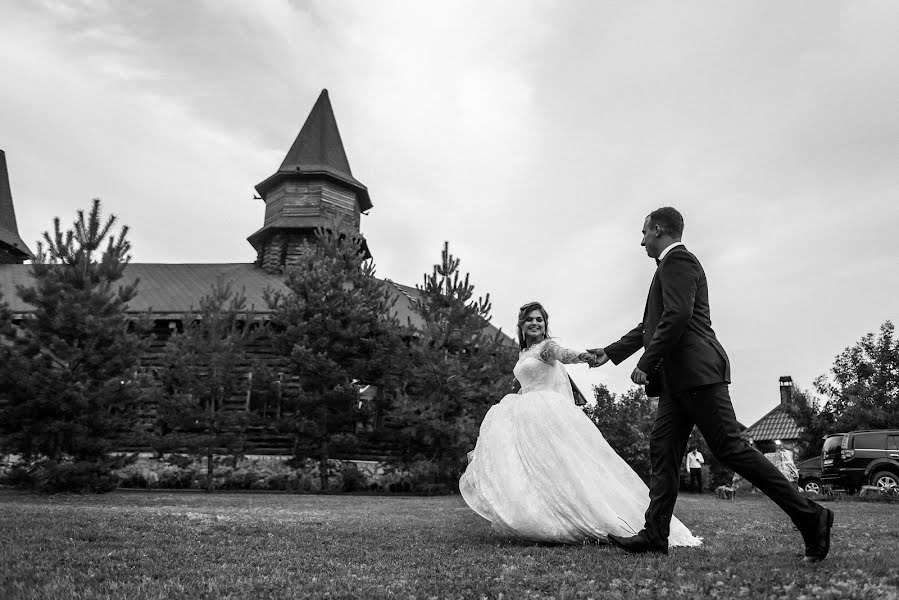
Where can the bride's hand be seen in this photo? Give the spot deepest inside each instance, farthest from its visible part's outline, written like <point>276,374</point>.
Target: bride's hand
<point>598,357</point>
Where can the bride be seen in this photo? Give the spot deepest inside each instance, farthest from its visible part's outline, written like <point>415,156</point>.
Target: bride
<point>540,469</point>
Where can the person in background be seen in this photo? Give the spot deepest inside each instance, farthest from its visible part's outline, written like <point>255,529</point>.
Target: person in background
<point>694,466</point>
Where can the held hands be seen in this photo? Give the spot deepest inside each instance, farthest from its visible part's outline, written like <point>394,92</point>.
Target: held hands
<point>596,357</point>
<point>586,357</point>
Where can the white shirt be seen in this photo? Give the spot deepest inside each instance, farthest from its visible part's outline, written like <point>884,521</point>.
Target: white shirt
<point>665,252</point>
<point>694,459</point>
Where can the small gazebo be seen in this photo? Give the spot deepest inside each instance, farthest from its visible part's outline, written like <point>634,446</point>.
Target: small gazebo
<point>777,430</point>
<point>13,250</point>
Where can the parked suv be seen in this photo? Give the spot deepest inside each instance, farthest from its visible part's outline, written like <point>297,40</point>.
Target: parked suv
<point>871,457</point>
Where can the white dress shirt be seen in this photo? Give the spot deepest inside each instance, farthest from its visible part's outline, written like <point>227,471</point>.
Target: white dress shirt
<point>694,459</point>
<point>665,252</point>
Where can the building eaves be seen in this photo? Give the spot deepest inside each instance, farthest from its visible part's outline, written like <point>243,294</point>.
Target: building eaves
<point>776,425</point>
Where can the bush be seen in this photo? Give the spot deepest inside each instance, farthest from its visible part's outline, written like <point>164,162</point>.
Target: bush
<point>179,460</point>
<point>297,476</point>
<point>16,476</point>
<point>353,480</point>
<point>419,476</point>
<point>182,472</point>
<point>83,477</point>
<point>47,476</point>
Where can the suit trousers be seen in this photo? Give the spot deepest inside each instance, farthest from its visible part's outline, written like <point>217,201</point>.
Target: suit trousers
<point>710,409</point>
<point>696,480</point>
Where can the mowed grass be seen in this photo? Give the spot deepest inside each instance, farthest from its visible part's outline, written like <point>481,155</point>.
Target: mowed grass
<point>190,545</point>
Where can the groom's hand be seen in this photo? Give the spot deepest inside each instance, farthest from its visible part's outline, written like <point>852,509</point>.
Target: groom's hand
<point>599,357</point>
<point>639,377</point>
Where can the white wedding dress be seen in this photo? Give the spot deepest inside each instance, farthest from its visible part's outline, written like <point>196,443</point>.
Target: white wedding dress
<point>542,471</point>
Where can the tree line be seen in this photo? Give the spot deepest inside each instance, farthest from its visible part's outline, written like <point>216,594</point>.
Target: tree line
<point>73,389</point>
<point>860,392</point>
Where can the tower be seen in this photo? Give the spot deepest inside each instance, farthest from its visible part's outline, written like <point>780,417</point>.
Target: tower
<point>313,186</point>
<point>12,249</point>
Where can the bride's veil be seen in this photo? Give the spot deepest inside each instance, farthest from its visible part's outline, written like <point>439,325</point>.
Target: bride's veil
<point>563,384</point>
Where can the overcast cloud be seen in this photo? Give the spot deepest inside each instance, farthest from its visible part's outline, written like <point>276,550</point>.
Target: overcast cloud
<point>534,136</point>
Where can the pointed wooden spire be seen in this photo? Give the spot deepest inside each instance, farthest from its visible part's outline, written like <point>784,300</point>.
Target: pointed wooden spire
<point>318,146</point>
<point>318,151</point>
<point>12,248</point>
<point>313,187</point>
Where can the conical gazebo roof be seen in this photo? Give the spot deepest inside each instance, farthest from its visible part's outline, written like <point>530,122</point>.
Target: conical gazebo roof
<point>9,230</point>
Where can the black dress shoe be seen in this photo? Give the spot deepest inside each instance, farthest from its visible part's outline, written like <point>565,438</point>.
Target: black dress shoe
<point>637,544</point>
<point>817,539</point>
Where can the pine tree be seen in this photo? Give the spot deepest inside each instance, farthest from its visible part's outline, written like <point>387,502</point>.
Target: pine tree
<point>5,318</point>
<point>68,387</point>
<point>7,334</point>
<point>459,368</point>
<point>337,326</point>
<point>200,377</point>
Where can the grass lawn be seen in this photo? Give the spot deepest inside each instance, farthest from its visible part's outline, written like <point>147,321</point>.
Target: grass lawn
<point>191,545</point>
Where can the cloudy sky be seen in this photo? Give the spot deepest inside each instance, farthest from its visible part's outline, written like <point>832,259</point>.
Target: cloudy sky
<point>534,136</point>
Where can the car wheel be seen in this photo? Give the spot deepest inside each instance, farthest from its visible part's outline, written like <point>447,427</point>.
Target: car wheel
<point>885,480</point>
<point>813,486</point>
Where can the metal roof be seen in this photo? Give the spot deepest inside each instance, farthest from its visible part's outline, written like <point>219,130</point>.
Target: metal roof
<point>166,289</point>
<point>172,290</point>
<point>776,425</point>
<point>405,304</point>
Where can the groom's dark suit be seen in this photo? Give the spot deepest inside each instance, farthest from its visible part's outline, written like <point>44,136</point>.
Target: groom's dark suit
<point>689,370</point>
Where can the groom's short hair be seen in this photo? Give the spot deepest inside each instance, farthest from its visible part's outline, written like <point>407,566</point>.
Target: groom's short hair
<point>669,220</point>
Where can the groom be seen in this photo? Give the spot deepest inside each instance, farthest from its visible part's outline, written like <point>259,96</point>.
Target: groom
<point>684,364</point>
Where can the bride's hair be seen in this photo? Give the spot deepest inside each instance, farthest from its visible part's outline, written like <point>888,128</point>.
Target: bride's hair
<point>523,313</point>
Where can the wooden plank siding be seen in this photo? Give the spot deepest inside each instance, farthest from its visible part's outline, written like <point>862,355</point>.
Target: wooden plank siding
<point>260,439</point>
<point>309,203</point>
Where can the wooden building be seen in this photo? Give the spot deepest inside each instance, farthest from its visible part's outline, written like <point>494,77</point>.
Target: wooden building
<point>313,185</point>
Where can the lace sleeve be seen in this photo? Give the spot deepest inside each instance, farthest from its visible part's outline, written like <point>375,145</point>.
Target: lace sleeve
<point>552,351</point>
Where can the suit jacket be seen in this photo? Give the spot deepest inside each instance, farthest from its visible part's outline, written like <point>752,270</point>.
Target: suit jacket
<point>680,347</point>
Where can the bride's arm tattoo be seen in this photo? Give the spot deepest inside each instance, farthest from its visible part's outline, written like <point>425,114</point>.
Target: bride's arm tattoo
<point>551,351</point>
